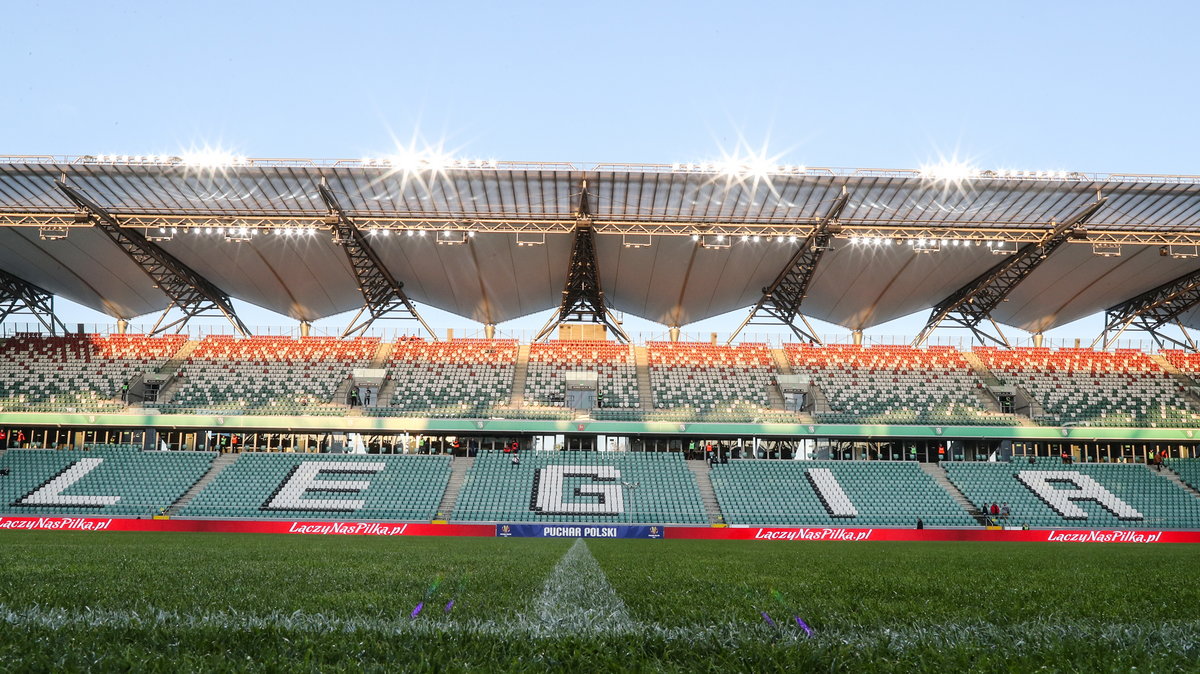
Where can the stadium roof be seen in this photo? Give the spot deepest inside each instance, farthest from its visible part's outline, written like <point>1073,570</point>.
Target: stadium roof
<point>675,244</point>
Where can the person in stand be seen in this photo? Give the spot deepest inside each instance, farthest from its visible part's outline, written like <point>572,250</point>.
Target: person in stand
<point>516,459</point>
<point>3,440</point>
<point>354,397</point>
<point>1025,526</point>
<point>1005,511</point>
<point>994,511</point>
<point>920,523</point>
<point>5,472</point>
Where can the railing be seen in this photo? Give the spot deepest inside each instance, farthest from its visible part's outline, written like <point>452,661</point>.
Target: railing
<point>962,342</point>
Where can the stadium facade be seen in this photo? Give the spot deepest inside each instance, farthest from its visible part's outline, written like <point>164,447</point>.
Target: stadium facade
<point>662,432</point>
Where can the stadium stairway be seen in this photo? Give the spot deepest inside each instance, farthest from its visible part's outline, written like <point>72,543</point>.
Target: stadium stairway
<point>1187,385</point>
<point>219,464</point>
<point>520,374</point>
<point>382,354</point>
<point>171,367</point>
<point>781,361</point>
<point>458,475</point>
<point>641,357</point>
<point>939,476</point>
<point>708,497</point>
<point>819,402</point>
<point>985,397</point>
<point>342,394</point>
<point>1173,476</point>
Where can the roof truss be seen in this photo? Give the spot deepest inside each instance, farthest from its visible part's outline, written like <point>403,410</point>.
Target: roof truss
<point>189,292</point>
<point>383,295</point>
<point>1152,311</point>
<point>780,302</point>
<point>582,297</point>
<point>971,305</point>
<point>18,296</point>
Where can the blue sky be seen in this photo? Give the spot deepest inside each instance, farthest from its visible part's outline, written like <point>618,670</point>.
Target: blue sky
<point>1082,86</point>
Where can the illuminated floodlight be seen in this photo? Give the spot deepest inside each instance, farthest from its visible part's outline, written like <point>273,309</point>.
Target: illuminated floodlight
<point>210,158</point>
<point>949,171</point>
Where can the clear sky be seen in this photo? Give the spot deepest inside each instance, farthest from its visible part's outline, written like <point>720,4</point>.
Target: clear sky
<point>1080,86</point>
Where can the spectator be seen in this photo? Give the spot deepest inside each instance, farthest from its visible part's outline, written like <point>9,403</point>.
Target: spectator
<point>994,510</point>
<point>516,459</point>
<point>920,523</point>
<point>1005,511</point>
<point>1025,526</point>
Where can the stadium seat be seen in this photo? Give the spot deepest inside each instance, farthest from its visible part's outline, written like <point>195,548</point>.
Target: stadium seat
<point>1159,503</point>
<point>458,378</point>
<point>695,381</point>
<point>613,364</point>
<point>269,375</point>
<point>76,373</point>
<point>142,483</point>
<point>894,384</point>
<point>1124,387</point>
<point>883,494</point>
<point>655,488</point>
<point>391,487</point>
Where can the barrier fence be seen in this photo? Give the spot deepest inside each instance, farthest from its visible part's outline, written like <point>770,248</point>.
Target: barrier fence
<point>599,530</point>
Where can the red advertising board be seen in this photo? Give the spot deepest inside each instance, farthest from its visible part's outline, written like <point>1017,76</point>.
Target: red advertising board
<point>838,534</point>
<point>792,534</point>
<point>247,526</point>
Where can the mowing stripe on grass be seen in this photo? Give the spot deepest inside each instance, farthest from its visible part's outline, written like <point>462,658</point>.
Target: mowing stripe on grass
<point>577,597</point>
<point>1176,637</point>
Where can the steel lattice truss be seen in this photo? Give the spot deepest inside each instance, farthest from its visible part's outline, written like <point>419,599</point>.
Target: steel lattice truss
<point>582,296</point>
<point>781,300</point>
<point>973,304</point>
<point>383,295</point>
<point>1153,310</point>
<point>18,296</point>
<point>189,292</point>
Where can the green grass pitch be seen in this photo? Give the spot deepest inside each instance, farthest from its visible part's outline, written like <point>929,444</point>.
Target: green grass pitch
<point>186,602</point>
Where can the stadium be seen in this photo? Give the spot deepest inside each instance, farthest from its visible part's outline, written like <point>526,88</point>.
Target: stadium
<point>580,431</point>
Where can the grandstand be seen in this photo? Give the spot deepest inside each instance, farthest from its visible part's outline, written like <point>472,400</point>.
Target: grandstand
<point>837,493</point>
<point>1097,388</point>
<point>895,384</point>
<point>710,382</point>
<point>589,243</point>
<point>269,375</point>
<point>613,363</point>
<point>76,372</point>
<point>105,481</point>
<point>462,378</point>
<point>1046,493</point>
<point>568,486</point>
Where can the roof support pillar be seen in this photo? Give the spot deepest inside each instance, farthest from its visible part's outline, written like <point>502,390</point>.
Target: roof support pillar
<point>582,297</point>
<point>1152,311</point>
<point>1037,339</point>
<point>18,296</point>
<point>780,301</point>
<point>972,304</point>
<point>489,330</point>
<point>383,295</point>
<point>857,336</point>
<point>189,292</point>
<point>673,331</point>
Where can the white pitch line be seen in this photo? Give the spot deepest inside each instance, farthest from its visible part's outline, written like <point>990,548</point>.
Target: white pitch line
<point>1182,637</point>
<point>577,597</point>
